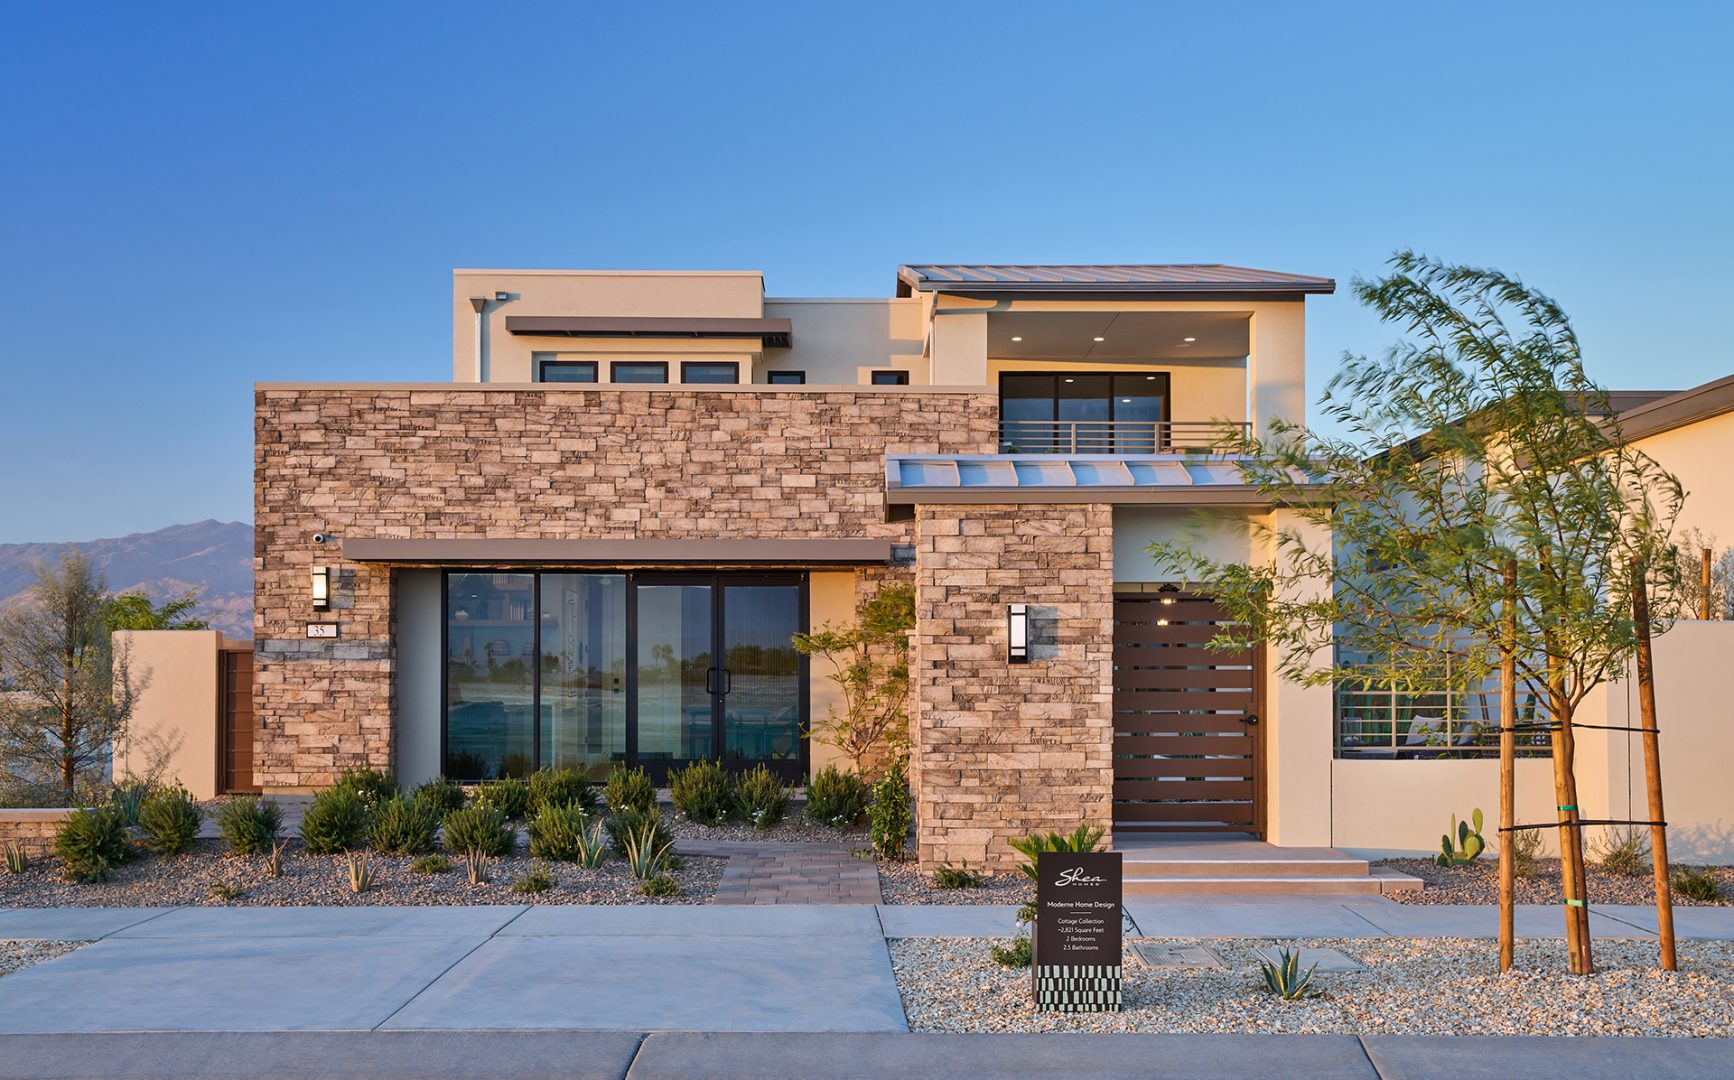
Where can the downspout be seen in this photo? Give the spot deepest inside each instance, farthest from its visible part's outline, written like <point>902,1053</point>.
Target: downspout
<point>479,303</point>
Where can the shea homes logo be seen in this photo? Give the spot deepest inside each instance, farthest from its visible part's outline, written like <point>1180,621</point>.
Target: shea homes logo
<point>1075,875</point>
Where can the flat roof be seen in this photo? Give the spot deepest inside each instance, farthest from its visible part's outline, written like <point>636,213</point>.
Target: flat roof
<point>1186,278</point>
<point>507,551</point>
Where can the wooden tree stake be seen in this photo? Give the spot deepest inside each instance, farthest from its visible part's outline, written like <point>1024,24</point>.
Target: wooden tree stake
<point>1508,773</point>
<point>1653,756</point>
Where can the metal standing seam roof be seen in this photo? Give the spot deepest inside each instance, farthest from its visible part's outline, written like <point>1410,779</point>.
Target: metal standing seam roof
<point>1085,477</point>
<point>1140,277</point>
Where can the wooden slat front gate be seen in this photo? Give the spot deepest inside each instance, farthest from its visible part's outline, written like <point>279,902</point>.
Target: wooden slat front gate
<point>235,720</point>
<point>1187,745</point>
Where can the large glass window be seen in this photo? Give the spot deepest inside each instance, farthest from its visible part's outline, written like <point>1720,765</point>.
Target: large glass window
<point>490,675</point>
<point>583,690</point>
<point>710,371</point>
<point>633,371</point>
<point>676,676</point>
<point>566,371</point>
<point>1083,412</point>
<point>762,716</point>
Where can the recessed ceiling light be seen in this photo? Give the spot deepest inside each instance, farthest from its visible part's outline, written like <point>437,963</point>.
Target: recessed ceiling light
<point>1017,339</point>
<point>1189,340</point>
<point>1071,380</point>
<point>1149,378</point>
<point>1101,339</point>
<point>1125,401</point>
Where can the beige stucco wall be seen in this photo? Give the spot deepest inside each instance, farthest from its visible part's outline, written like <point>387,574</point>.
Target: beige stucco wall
<point>842,341</point>
<point>1698,455</point>
<point>175,718</point>
<point>1225,536</point>
<point>1297,719</point>
<point>831,597</point>
<point>1199,390</point>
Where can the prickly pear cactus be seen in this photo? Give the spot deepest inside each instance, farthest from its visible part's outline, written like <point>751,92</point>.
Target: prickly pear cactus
<point>1469,843</point>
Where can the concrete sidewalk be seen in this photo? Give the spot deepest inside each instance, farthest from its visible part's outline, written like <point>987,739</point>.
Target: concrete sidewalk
<point>630,1055</point>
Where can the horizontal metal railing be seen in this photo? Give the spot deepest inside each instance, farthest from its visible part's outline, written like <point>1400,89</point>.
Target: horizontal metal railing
<point>1116,436</point>
<point>1379,723</point>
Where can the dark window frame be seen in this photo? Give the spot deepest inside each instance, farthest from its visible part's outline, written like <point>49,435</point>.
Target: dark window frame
<point>614,367</point>
<point>1167,394</point>
<point>733,366</point>
<point>543,365</point>
<point>898,377</point>
<point>771,378</point>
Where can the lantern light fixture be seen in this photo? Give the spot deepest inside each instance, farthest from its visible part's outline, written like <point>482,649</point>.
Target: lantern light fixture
<point>321,588</point>
<point>1018,634</point>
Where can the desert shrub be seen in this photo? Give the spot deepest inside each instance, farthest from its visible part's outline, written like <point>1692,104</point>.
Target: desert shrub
<point>561,787</point>
<point>224,890</point>
<point>625,823</point>
<point>442,796</point>
<point>557,832</point>
<point>761,797</point>
<point>537,879</point>
<point>1525,851</point>
<point>403,826</point>
<point>647,853</point>
<point>361,873</point>
<point>90,843</point>
<point>629,789</point>
<point>947,876</point>
<point>170,819</point>
<point>480,829</point>
<point>371,786</point>
<point>249,825</point>
<point>703,792</point>
<point>889,816</point>
<point>836,798</point>
<point>127,797</point>
<point>431,864</point>
<point>660,885</point>
<point>510,797</point>
<point>1082,838</point>
<point>1694,883</point>
<point>1018,954</point>
<point>336,820</point>
<point>1622,850</point>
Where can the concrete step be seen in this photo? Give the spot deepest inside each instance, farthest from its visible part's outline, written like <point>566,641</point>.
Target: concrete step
<point>1149,865</point>
<point>1369,885</point>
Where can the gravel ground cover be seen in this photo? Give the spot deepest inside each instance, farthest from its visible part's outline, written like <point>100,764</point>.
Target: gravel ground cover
<point>793,829</point>
<point>18,955</point>
<point>904,883</point>
<point>324,879</point>
<point>1410,986</point>
<point>1478,883</point>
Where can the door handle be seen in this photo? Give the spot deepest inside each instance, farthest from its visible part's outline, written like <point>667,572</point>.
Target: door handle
<point>710,680</point>
<point>1249,719</point>
<point>728,680</point>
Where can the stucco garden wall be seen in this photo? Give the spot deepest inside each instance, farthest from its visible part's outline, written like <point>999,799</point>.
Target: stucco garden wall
<point>438,462</point>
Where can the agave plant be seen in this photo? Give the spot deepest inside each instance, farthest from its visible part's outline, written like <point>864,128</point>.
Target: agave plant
<point>646,857</point>
<point>360,872</point>
<point>1469,844</point>
<point>593,847</point>
<point>17,859</point>
<point>1283,976</point>
<point>274,861</point>
<point>476,865</point>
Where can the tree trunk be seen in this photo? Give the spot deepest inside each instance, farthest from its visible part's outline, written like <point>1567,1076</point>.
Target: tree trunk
<point>1653,759</point>
<point>1704,590</point>
<point>1507,774</point>
<point>1571,870</point>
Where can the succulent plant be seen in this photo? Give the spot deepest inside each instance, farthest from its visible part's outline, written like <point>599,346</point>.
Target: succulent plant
<point>1469,845</point>
<point>1283,976</point>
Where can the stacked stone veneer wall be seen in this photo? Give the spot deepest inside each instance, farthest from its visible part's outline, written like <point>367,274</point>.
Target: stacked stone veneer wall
<point>1002,749</point>
<point>424,463</point>
<point>32,829</point>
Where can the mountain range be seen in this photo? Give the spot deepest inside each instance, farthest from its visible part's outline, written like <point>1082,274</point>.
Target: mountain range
<point>213,559</point>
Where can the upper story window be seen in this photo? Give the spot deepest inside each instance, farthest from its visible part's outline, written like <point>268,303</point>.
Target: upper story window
<point>566,371</point>
<point>891,378</point>
<point>786,378</point>
<point>1084,412</point>
<point>638,371</point>
<point>710,371</point>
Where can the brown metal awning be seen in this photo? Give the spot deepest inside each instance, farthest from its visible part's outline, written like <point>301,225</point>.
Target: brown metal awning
<point>786,553</point>
<point>773,332</point>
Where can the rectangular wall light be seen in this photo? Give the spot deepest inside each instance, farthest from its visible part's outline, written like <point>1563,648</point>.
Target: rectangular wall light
<point>321,588</point>
<point>1018,634</point>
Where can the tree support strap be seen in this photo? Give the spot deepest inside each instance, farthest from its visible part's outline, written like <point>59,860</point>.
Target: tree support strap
<point>1555,727</point>
<point>1575,824</point>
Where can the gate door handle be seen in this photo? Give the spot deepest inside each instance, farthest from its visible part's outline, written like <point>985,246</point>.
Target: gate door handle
<point>1249,719</point>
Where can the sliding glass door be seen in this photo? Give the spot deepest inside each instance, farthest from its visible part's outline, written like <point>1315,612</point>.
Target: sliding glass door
<point>583,670</point>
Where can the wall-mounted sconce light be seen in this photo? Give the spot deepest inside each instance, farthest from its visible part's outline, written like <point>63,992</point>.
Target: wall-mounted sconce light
<point>1018,634</point>
<point>1167,589</point>
<point>321,588</point>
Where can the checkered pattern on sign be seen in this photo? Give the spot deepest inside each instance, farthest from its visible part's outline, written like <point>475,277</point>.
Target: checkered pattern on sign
<point>1077,988</point>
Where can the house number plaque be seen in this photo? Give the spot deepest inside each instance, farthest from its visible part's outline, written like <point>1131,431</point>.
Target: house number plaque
<point>322,630</point>
<point>1076,964</point>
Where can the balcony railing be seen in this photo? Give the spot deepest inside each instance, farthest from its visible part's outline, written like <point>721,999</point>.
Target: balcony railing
<point>1382,723</point>
<point>1115,436</point>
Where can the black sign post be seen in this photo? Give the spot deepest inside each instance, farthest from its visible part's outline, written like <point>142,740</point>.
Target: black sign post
<point>1076,964</point>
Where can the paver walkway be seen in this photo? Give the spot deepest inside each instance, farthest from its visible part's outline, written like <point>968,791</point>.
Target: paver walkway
<point>770,873</point>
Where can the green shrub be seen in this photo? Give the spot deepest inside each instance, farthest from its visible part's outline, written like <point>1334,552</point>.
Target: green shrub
<point>170,820</point>
<point>403,826</point>
<point>335,821</point>
<point>1083,838</point>
<point>371,786</point>
<point>629,789</point>
<point>1695,883</point>
<point>431,864</point>
<point>660,885</point>
<point>837,799</point>
<point>761,797</point>
<point>509,796</point>
<point>249,825</point>
<point>90,843</point>
<point>889,816</point>
<point>1019,954</point>
<point>128,798</point>
<point>480,829</point>
<point>561,787</point>
<point>557,832</point>
<point>625,823</point>
<point>703,792</point>
<point>1525,851</point>
<point>1622,850</point>
<point>535,880</point>
<point>442,796</point>
<point>947,876</point>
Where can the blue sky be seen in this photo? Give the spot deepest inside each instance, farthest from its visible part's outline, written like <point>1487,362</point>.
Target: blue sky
<point>194,198</point>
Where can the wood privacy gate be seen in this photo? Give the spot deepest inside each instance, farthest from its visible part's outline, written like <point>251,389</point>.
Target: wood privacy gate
<point>1188,749</point>
<point>235,721</point>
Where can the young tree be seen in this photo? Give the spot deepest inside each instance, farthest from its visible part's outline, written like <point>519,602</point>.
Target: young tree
<point>870,666</point>
<point>1477,446</point>
<point>68,695</point>
<point>134,611</point>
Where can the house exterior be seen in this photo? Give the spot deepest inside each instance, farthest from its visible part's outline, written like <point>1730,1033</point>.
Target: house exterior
<point>594,544</point>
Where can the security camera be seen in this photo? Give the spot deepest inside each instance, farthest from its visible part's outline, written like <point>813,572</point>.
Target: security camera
<point>320,538</point>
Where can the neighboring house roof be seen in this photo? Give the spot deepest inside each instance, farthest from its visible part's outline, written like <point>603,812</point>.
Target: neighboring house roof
<point>1109,478</point>
<point>1121,278</point>
<point>1665,412</point>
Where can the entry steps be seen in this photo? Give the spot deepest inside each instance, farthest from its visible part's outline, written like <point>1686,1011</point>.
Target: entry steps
<point>1160,863</point>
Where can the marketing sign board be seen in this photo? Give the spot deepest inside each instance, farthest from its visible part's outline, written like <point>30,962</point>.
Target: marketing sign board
<point>1077,942</point>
